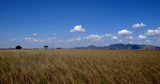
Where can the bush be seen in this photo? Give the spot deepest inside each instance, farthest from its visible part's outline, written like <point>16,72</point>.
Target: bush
<point>59,48</point>
<point>18,47</point>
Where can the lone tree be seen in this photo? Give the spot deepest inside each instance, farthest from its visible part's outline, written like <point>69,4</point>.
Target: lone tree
<point>46,46</point>
<point>18,47</point>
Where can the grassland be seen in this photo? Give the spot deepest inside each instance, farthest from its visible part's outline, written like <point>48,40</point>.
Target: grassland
<point>79,66</point>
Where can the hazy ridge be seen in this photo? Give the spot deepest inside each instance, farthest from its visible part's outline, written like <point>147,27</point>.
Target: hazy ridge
<point>121,46</point>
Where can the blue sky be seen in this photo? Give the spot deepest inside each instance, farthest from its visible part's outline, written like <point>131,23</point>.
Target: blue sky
<point>75,23</point>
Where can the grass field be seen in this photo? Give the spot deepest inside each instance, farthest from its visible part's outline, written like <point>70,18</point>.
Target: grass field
<point>79,66</point>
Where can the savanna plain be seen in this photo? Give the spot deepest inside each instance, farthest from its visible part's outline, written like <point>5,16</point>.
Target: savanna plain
<point>79,66</point>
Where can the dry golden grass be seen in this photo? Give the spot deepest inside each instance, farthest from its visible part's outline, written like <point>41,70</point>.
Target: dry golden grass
<point>79,66</point>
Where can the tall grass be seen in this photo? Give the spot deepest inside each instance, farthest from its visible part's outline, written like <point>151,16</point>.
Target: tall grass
<point>79,66</point>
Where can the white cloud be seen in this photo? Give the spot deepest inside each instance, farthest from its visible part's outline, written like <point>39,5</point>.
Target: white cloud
<point>34,34</point>
<point>35,40</point>
<point>138,25</point>
<point>75,39</point>
<point>120,41</point>
<point>12,40</point>
<point>41,40</point>
<point>148,41</point>
<point>55,37</point>
<point>54,34</point>
<point>46,40</point>
<point>107,35</point>
<point>130,42</point>
<point>91,43</point>
<point>26,38</point>
<point>114,37</point>
<point>93,37</point>
<point>130,37</point>
<point>124,32</point>
<point>141,37</point>
<point>155,32</point>
<point>38,40</point>
<point>78,28</point>
<point>105,40</point>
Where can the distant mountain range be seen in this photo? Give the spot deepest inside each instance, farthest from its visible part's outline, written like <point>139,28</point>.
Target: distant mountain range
<point>121,46</point>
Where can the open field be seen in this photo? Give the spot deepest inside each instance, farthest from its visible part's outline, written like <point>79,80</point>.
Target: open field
<point>79,66</point>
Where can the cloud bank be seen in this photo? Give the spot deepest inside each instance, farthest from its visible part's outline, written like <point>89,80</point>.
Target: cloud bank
<point>155,32</point>
<point>93,37</point>
<point>38,40</point>
<point>75,39</point>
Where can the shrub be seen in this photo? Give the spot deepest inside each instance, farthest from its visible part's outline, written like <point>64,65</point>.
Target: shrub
<point>18,47</point>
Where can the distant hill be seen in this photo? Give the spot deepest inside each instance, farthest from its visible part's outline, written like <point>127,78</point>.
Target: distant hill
<point>121,46</point>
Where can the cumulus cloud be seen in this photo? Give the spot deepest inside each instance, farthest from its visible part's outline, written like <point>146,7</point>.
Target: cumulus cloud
<point>35,40</point>
<point>114,37</point>
<point>138,25</point>
<point>38,40</point>
<point>141,37</point>
<point>78,28</point>
<point>93,37</point>
<point>107,35</point>
<point>148,41</point>
<point>34,34</point>
<point>124,32</point>
<point>12,40</point>
<point>75,39</point>
<point>130,37</point>
<point>46,40</point>
<point>30,39</point>
<point>98,37</point>
<point>120,41</point>
<point>54,34</point>
<point>26,38</point>
<point>155,32</point>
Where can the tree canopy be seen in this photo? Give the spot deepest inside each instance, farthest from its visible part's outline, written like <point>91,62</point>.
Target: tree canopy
<point>18,47</point>
<point>46,46</point>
